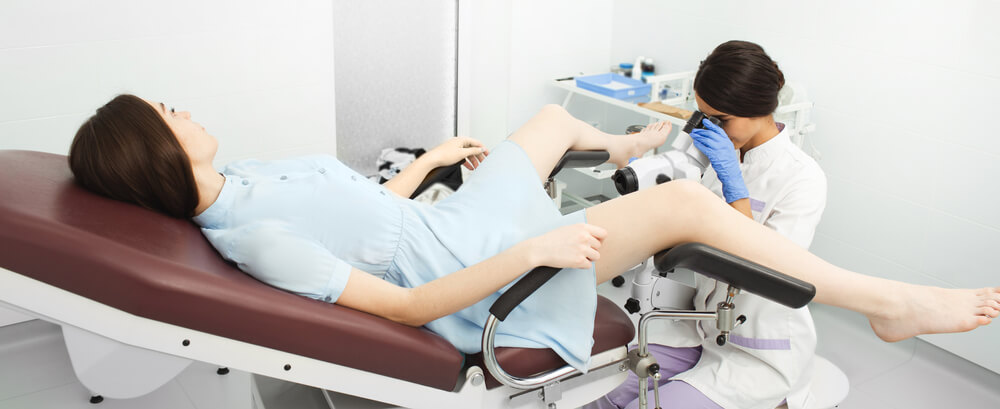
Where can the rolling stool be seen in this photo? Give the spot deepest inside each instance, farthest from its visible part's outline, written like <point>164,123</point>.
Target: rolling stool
<point>829,386</point>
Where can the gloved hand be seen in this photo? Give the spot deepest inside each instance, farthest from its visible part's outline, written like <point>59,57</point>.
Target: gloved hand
<point>715,144</point>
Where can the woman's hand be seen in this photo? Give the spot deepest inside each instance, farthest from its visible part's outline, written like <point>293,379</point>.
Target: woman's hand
<point>457,149</point>
<point>572,246</point>
<point>725,159</point>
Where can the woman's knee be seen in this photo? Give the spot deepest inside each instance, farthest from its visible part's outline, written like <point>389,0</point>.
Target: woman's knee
<point>556,114</point>
<point>686,190</point>
<point>553,109</point>
<point>687,198</point>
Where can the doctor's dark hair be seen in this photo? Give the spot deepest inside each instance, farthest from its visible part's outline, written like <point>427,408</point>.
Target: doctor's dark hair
<point>127,152</point>
<point>740,79</point>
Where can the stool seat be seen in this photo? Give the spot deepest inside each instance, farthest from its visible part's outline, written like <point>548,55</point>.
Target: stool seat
<point>829,386</point>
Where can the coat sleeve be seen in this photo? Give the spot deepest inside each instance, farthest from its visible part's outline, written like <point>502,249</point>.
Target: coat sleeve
<point>798,210</point>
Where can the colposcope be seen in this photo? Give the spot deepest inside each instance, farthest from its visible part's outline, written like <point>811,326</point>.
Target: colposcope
<point>682,161</point>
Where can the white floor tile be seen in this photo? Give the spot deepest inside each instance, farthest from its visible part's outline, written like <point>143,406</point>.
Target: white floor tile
<point>846,340</point>
<point>206,389</point>
<point>35,373</point>
<point>935,378</point>
<point>75,396</point>
<point>278,394</point>
<point>862,400</point>
<point>351,402</point>
<point>32,358</point>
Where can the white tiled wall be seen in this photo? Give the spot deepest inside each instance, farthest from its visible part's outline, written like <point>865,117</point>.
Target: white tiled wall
<point>905,95</point>
<point>257,74</point>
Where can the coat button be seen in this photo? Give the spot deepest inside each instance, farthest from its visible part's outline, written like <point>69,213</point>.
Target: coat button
<point>328,299</point>
<point>322,170</point>
<point>283,177</point>
<point>246,182</point>
<point>354,178</point>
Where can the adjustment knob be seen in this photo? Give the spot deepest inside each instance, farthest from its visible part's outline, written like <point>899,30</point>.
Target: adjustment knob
<point>618,281</point>
<point>632,305</point>
<point>662,178</point>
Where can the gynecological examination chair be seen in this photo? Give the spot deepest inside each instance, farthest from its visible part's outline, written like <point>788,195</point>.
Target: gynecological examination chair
<point>139,296</point>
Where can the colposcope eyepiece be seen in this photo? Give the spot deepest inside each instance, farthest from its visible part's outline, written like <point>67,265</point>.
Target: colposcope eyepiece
<point>695,121</point>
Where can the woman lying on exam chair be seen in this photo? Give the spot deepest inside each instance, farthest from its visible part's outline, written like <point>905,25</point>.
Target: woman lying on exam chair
<point>763,175</point>
<point>314,227</point>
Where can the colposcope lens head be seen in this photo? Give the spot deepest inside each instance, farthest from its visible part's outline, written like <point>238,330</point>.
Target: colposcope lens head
<point>694,122</point>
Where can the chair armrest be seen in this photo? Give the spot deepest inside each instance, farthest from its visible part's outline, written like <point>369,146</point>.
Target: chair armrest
<point>521,290</point>
<point>498,312</point>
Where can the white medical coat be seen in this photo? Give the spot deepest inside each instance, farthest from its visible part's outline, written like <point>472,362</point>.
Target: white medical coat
<point>769,358</point>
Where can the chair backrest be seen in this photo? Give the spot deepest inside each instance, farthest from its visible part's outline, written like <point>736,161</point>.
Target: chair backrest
<point>162,268</point>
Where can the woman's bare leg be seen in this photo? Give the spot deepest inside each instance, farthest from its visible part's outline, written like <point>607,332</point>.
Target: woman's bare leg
<point>643,223</point>
<point>553,131</point>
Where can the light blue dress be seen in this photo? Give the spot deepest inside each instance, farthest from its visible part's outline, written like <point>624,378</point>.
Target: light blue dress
<point>301,224</point>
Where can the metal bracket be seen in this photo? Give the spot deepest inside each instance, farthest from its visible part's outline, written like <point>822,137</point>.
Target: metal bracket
<point>551,394</point>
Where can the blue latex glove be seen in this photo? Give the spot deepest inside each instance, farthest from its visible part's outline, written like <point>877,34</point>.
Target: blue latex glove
<point>715,144</point>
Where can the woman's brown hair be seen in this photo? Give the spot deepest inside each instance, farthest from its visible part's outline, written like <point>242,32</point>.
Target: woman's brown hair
<point>127,152</point>
<point>740,79</point>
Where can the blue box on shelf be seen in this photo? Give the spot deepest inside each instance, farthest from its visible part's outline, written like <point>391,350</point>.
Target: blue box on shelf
<point>615,86</point>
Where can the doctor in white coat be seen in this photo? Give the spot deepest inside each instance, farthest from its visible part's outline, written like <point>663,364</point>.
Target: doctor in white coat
<point>761,173</point>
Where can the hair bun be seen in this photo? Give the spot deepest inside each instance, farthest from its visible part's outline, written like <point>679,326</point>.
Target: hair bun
<point>781,75</point>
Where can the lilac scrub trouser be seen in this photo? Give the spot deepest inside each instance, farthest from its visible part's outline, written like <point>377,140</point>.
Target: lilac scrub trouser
<point>673,394</point>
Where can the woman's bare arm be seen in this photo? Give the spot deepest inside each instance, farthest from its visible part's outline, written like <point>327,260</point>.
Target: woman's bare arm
<point>407,180</point>
<point>450,152</point>
<point>570,246</point>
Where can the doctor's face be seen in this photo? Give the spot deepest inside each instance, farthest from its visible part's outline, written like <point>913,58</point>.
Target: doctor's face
<point>199,145</point>
<point>739,129</point>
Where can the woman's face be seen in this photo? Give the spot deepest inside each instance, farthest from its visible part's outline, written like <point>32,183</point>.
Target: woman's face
<point>740,129</point>
<point>196,142</point>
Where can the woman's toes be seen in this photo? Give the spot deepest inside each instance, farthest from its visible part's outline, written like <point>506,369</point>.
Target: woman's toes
<point>989,312</point>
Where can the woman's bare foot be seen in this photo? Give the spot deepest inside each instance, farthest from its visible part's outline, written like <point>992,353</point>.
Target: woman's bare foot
<point>932,310</point>
<point>635,145</point>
